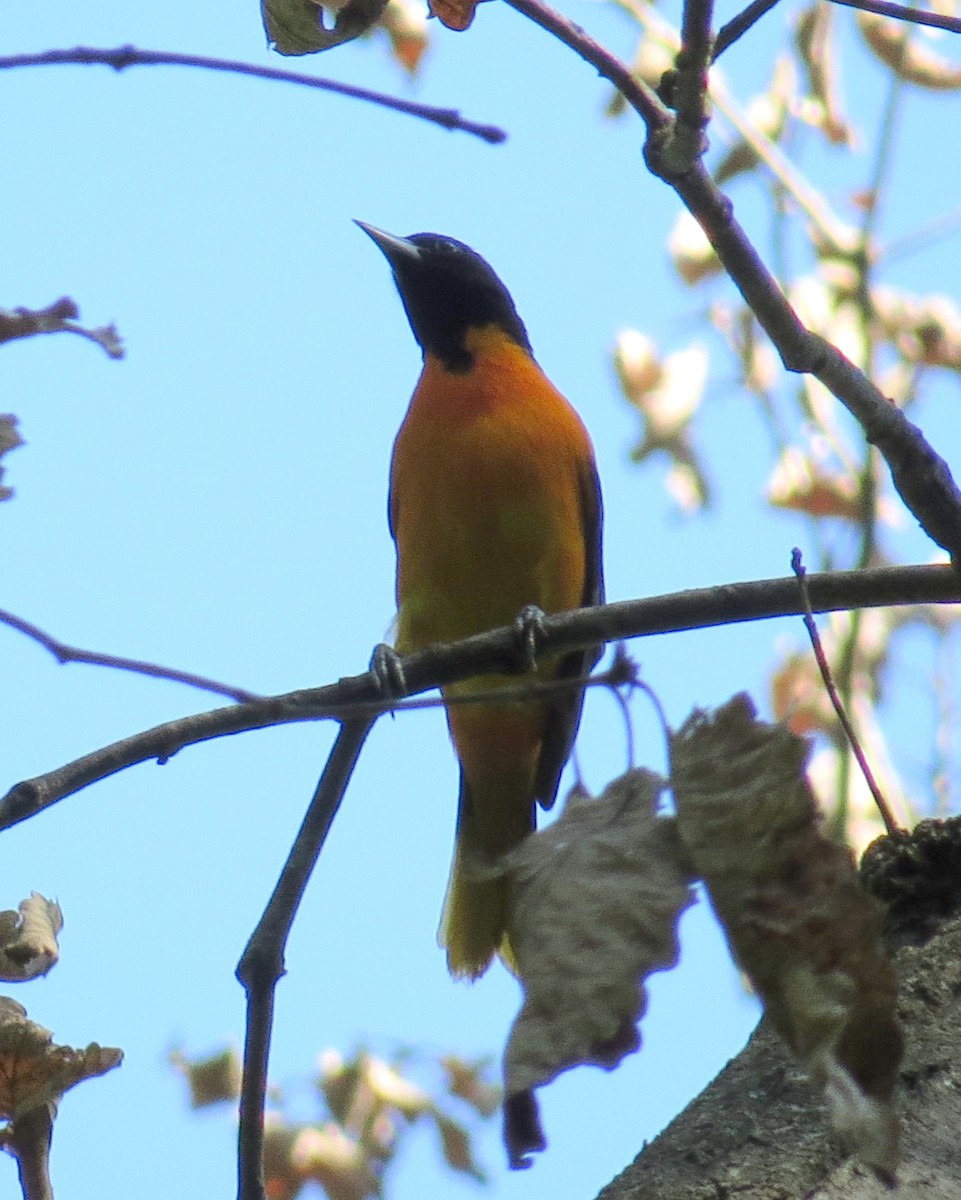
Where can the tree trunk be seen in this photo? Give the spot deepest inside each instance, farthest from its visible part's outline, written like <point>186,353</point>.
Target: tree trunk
<point>760,1131</point>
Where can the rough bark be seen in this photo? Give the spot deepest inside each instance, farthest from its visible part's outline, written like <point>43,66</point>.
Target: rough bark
<point>760,1131</point>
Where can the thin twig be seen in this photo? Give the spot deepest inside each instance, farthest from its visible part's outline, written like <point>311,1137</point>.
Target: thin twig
<point>492,653</point>
<point>68,654</point>
<point>916,16</point>
<point>262,962</point>
<point>739,25</point>
<point>797,566</point>
<point>130,56</point>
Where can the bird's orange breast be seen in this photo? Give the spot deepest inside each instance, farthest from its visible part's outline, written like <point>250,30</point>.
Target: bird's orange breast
<point>486,501</point>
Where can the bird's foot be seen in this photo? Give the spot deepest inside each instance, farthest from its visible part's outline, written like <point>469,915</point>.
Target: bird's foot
<point>529,630</point>
<point>386,666</point>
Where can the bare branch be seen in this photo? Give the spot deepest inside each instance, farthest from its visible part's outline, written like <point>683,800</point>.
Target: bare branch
<point>890,824</point>
<point>67,654</point>
<point>739,25</point>
<point>491,653</point>
<point>130,56</point>
<point>262,962</point>
<point>28,1140</point>
<point>59,317</point>
<point>916,16</point>
<point>922,478</point>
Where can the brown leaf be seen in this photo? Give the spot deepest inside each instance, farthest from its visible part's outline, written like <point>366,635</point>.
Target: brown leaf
<point>339,1164</point>
<point>211,1080</point>
<point>768,114</point>
<point>796,917</point>
<point>405,23</point>
<point>456,1147</point>
<point>466,1081</point>
<point>454,14</point>
<point>390,1088</point>
<point>693,256</point>
<point>10,439</point>
<point>282,1181</point>
<point>799,698</point>
<point>814,39</point>
<point>908,56</point>
<point>667,393</point>
<point>296,27</point>
<point>800,484</point>
<point>28,939</point>
<point>595,900</point>
<point>33,1071</point>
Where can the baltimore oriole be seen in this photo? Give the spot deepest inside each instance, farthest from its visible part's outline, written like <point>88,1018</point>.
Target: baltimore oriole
<point>495,506</point>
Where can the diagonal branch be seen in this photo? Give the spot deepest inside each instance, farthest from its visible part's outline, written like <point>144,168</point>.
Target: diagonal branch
<point>490,653</point>
<point>900,12</point>
<point>62,316</point>
<point>739,25</point>
<point>262,962</point>
<point>922,478</point>
<point>130,56</point>
<point>68,654</point>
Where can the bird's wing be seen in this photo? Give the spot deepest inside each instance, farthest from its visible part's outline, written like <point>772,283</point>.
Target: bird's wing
<point>564,713</point>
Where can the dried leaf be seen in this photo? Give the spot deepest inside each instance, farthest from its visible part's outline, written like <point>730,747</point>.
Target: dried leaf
<point>799,484</point>
<point>282,1181</point>
<point>456,1147</point>
<point>33,1071</point>
<point>466,1081</point>
<point>667,393</point>
<point>296,27</point>
<point>794,913</point>
<point>924,329</point>
<point>814,39</point>
<point>758,362</point>
<point>211,1080</point>
<point>595,900</point>
<point>389,1087</point>
<point>799,699</point>
<point>693,255</point>
<point>28,939</point>
<point>768,114</point>
<point>405,23</point>
<point>908,56</point>
<point>10,439</point>
<point>338,1083</point>
<point>338,1163</point>
<point>454,14</point>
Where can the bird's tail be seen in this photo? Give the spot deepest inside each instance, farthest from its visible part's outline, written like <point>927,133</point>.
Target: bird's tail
<point>474,918</point>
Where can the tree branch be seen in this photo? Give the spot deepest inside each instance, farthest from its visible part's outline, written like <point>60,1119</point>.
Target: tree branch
<point>262,962</point>
<point>59,317</point>
<point>922,478</point>
<point>739,25</point>
<point>488,653</point>
<point>130,56</point>
<point>67,654</point>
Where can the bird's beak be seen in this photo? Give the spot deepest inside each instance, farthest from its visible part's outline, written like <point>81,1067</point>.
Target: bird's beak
<point>396,249</point>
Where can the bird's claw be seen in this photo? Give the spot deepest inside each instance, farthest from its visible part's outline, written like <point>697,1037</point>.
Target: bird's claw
<point>529,630</point>
<point>387,667</point>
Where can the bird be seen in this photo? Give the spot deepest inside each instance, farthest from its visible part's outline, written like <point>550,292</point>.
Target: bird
<point>495,510</point>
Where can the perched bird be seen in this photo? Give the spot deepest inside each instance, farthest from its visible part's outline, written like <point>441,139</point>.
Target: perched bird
<point>495,506</point>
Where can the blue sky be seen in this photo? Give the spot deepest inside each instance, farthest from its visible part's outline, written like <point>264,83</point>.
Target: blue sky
<point>217,501</point>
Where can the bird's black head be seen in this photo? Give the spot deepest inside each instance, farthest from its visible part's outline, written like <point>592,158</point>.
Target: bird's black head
<point>446,289</point>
